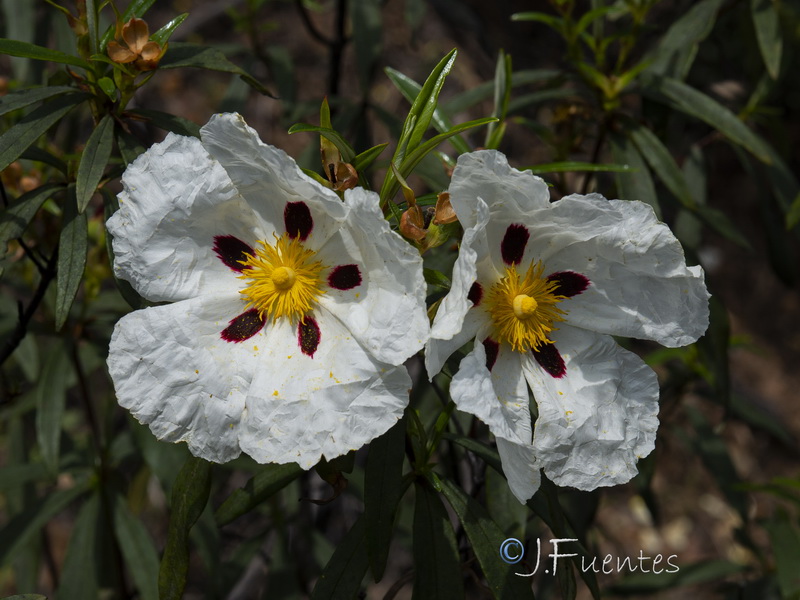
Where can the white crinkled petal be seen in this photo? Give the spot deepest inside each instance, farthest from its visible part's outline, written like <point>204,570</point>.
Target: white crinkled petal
<point>437,351</point>
<point>498,398</point>
<point>455,305</point>
<point>175,373</point>
<point>301,409</point>
<point>641,286</point>
<point>175,200</point>
<point>268,178</point>
<point>521,468</point>
<point>386,314</point>
<point>597,420</point>
<point>509,193</point>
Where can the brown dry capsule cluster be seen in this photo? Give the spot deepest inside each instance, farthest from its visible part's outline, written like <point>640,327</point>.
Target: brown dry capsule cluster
<point>138,48</point>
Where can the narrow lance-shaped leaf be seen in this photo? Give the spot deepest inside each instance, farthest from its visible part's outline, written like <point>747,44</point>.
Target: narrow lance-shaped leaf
<point>15,219</point>
<point>269,481</point>
<point>169,122</point>
<point>637,185</point>
<point>767,23</point>
<point>437,568</point>
<point>695,103</point>
<point>382,490</point>
<point>81,572</point>
<point>342,576</point>
<point>26,50</point>
<point>22,98</point>
<point>72,248</point>
<point>17,139</point>
<point>205,57</point>
<point>486,539</point>
<point>93,161</point>
<point>367,35</point>
<point>365,159</point>
<point>348,154</point>
<point>427,99</point>
<point>502,95</point>
<point>137,549</point>
<point>162,35</point>
<point>576,166</point>
<point>189,498</point>
<point>51,395</point>
<point>662,163</point>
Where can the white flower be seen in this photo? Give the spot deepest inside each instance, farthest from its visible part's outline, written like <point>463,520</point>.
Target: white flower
<point>541,287</point>
<point>291,312</point>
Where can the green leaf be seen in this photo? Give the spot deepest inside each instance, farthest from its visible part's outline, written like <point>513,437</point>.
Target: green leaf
<point>348,154</point>
<point>383,478</point>
<point>43,156</point>
<point>93,161</point>
<point>485,537</point>
<point>22,98</point>
<point>81,572</point>
<point>662,163</point>
<point>15,219</point>
<point>502,94</point>
<point>677,48</point>
<point>25,526</point>
<point>162,36</point>
<point>793,215</point>
<point>51,395</point>
<point>137,549</point>
<point>26,597</point>
<point>17,48</point>
<point>129,146</point>
<point>425,103</point>
<point>551,21</point>
<point>410,90</point>
<point>17,139</point>
<point>342,576</point>
<point>109,87</point>
<point>714,346</point>
<point>269,481</point>
<point>576,166</point>
<point>637,185</point>
<point>367,36</point>
<point>15,476</point>
<point>72,248</point>
<point>189,498</point>
<point>91,25</point>
<point>437,572</point>
<point>767,22</point>
<point>204,57</point>
<point>437,278</point>
<point>695,103</point>
<point>471,97</point>
<point>169,122</point>
<point>363,161</point>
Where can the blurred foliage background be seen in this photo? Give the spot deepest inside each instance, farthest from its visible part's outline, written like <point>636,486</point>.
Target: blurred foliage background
<point>690,106</point>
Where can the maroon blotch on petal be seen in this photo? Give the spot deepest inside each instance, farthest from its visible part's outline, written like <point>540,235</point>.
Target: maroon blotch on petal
<point>549,358</point>
<point>492,349</point>
<point>345,277</point>
<point>475,294</point>
<point>231,250</point>
<point>243,327</point>
<point>513,245</point>
<point>569,283</point>
<point>298,220</point>
<point>308,336</point>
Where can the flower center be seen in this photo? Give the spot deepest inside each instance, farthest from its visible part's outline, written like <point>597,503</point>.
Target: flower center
<point>283,279</point>
<point>523,309</point>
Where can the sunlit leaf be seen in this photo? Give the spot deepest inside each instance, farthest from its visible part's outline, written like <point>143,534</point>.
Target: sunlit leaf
<point>364,160</point>
<point>162,36</point>
<point>348,154</point>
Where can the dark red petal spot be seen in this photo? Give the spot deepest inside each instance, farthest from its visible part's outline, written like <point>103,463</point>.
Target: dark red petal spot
<point>492,349</point>
<point>231,250</point>
<point>549,358</point>
<point>345,277</point>
<point>298,221</point>
<point>569,283</point>
<point>475,294</point>
<point>308,336</point>
<point>513,245</point>
<point>245,326</point>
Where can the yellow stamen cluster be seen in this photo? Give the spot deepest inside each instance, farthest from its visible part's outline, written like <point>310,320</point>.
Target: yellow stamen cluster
<point>523,309</point>
<point>283,280</point>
